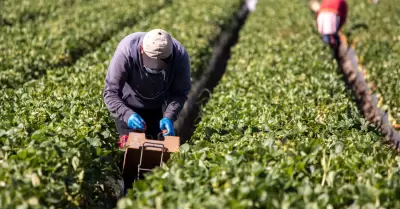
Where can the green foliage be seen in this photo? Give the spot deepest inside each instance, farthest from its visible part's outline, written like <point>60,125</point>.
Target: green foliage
<point>57,139</point>
<point>280,131</point>
<point>20,11</point>
<point>30,47</point>
<point>378,48</point>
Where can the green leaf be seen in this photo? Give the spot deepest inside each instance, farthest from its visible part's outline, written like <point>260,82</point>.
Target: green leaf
<point>75,162</point>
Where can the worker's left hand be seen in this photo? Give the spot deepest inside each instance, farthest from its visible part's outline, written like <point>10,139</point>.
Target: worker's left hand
<point>166,123</point>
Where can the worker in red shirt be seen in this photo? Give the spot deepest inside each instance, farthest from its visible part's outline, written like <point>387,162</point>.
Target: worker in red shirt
<point>331,16</point>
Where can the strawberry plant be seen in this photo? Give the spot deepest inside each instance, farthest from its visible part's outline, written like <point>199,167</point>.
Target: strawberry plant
<point>280,131</point>
<point>20,11</point>
<point>57,138</point>
<point>31,47</point>
<point>378,49</point>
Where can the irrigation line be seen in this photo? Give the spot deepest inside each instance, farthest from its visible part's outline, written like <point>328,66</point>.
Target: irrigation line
<point>203,87</point>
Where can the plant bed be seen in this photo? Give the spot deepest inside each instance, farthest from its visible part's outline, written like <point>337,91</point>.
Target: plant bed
<point>58,140</point>
<point>280,131</point>
<point>378,48</point>
<point>32,47</point>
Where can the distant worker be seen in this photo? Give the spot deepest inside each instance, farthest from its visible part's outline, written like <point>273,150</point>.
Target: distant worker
<point>147,84</point>
<point>331,16</point>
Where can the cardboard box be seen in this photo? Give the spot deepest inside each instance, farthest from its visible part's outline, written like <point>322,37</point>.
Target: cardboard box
<point>150,151</point>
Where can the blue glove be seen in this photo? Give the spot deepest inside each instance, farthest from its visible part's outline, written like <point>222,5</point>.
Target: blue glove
<point>166,123</point>
<point>136,122</point>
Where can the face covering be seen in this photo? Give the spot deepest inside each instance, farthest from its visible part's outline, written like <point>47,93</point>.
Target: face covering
<point>155,71</point>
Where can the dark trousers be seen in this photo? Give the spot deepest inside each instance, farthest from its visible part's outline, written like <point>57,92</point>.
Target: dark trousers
<point>152,119</point>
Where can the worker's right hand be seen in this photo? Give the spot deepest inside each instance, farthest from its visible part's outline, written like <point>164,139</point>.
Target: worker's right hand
<point>136,122</point>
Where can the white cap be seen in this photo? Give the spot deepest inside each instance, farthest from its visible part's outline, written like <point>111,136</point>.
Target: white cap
<point>157,45</point>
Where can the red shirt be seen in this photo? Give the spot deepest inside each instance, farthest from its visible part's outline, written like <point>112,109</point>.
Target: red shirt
<point>338,7</point>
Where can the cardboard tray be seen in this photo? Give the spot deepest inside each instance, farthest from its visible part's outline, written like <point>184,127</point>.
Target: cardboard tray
<point>151,155</point>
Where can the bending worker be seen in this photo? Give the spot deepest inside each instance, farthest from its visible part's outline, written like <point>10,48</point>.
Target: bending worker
<point>331,16</point>
<point>147,83</point>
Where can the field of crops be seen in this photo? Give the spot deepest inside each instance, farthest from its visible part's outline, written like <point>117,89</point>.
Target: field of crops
<point>69,33</point>
<point>280,130</point>
<point>378,48</point>
<point>56,135</point>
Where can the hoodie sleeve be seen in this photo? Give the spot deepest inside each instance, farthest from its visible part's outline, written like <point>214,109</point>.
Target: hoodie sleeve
<point>181,85</point>
<point>115,80</point>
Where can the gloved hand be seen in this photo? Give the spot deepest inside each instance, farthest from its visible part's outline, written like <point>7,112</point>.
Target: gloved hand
<point>166,123</point>
<point>136,122</point>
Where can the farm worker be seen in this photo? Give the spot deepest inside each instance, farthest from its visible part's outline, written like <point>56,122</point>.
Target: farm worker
<point>147,83</point>
<point>331,16</point>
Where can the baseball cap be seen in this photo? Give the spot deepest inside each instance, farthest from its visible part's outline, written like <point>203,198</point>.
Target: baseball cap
<point>157,46</point>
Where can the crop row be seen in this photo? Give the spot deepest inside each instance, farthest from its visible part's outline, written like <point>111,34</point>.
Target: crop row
<point>57,138</point>
<point>378,48</point>
<point>28,49</point>
<point>280,131</point>
<point>20,11</point>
